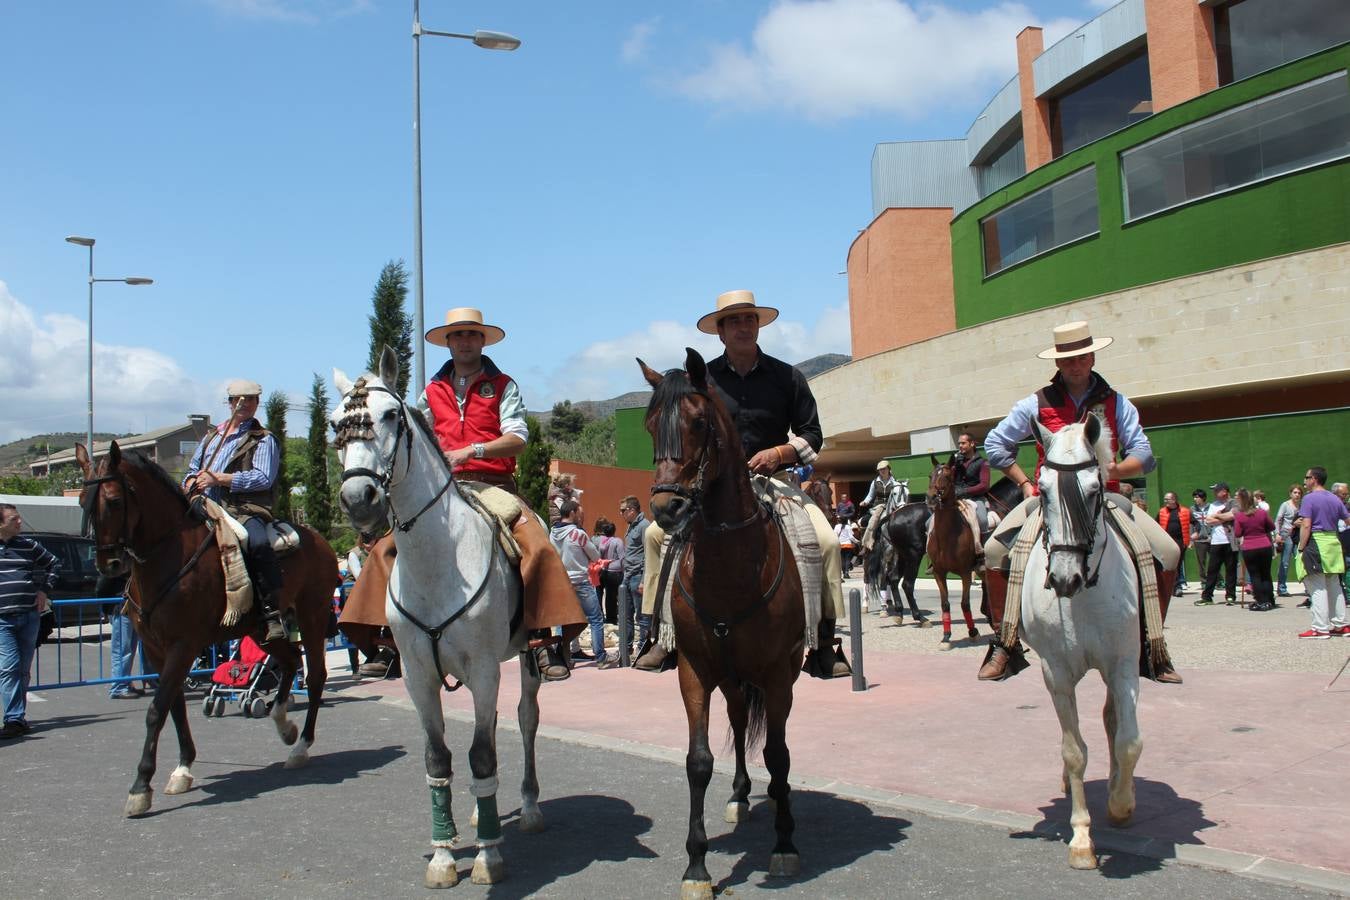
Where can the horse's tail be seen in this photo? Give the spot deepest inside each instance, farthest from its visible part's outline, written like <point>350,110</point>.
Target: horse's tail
<point>756,720</point>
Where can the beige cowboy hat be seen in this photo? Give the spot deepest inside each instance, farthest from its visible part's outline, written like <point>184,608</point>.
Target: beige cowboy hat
<point>731,303</point>
<point>242,387</point>
<point>464,318</point>
<point>1073,339</point>
<point>883,464</point>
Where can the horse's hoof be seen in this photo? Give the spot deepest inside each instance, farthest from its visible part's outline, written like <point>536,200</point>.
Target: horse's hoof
<point>297,761</point>
<point>532,821</point>
<point>897,620</point>
<point>1082,858</point>
<point>441,871</point>
<point>488,872</point>
<point>179,781</point>
<point>291,734</point>
<point>737,811</point>
<point>785,865</point>
<point>1119,821</point>
<point>946,643</point>
<point>924,623</point>
<point>696,890</point>
<point>974,634</point>
<point>138,804</point>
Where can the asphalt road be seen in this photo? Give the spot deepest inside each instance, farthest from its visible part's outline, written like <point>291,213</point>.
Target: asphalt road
<point>355,823</point>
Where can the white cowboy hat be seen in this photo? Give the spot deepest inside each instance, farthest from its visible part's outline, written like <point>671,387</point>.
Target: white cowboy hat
<point>1073,339</point>
<point>883,464</point>
<point>731,303</point>
<point>464,318</point>
<point>242,387</point>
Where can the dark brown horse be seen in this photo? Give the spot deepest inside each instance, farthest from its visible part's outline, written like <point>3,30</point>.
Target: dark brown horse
<point>140,521</point>
<point>951,545</point>
<point>737,608</point>
<point>818,489</point>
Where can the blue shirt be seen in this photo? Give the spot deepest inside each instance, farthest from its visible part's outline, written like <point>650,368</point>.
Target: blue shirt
<point>1000,445</point>
<point>213,456</point>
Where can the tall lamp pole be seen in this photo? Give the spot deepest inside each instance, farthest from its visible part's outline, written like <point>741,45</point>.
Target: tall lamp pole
<point>488,40</point>
<point>89,242</point>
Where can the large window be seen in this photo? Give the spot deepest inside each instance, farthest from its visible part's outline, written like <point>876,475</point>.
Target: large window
<point>1052,217</point>
<point>1291,130</point>
<point>1005,165</point>
<point>1109,102</point>
<point>1254,35</point>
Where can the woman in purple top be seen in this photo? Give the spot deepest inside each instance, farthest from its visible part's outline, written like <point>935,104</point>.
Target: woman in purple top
<point>1252,528</point>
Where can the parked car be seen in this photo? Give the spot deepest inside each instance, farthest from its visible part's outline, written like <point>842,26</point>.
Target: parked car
<point>76,575</point>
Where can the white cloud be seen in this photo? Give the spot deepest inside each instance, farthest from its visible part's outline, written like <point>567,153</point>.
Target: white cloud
<point>634,47</point>
<point>44,366</point>
<point>304,12</point>
<point>607,368</point>
<point>831,59</point>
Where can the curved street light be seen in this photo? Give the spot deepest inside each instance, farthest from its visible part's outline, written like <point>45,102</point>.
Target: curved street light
<point>132,279</point>
<point>488,40</point>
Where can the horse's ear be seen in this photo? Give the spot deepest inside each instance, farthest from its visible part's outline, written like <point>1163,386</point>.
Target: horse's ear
<point>82,457</point>
<point>1094,430</point>
<point>1041,433</point>
<point>342,382</point>
<point>653,377</point>
<point>388,366</point>
<point>696,367</point>
<point>114,455</point>
<point>933,457</point>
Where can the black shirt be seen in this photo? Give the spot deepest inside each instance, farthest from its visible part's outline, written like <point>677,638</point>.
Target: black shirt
<point>768,401</point>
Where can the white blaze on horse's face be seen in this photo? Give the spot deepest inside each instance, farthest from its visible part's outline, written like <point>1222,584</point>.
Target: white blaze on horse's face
<point>1071,506</point>
<point>363,496</point>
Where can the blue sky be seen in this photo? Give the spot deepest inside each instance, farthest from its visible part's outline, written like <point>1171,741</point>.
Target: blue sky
<point>592,191</point>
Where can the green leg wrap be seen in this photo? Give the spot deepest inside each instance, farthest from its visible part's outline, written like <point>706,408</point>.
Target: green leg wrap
<point>442,821</point>
<point>489,826</point>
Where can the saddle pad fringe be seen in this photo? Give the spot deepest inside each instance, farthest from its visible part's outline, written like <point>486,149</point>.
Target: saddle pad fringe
<point>1021,553</point>
<point>789,505</point>
<point>1148,586</point>
<point>238,587</point>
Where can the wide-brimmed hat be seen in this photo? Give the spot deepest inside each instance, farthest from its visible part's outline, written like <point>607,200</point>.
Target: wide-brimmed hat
<point>242,387</point>
<point>731,303</point>
<point>464,318</point>
<point>1073,339</point>
<point>883,464</point>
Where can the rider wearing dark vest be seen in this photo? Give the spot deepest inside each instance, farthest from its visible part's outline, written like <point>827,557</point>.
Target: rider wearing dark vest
<point>236,465</point>
<point>1075,391</point>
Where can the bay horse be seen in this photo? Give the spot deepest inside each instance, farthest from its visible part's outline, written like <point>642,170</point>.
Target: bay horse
<point>455,604</point>
<point>738,614</point>
<point>1080,611</point>
<point>141,523</point>
<point>951,546</point>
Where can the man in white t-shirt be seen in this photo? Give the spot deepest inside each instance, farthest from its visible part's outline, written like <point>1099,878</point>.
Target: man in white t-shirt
<point>1222,552</point>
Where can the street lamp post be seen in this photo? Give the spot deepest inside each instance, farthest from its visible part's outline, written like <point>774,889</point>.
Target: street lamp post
<point>488,40</point>
<point>89,242</point>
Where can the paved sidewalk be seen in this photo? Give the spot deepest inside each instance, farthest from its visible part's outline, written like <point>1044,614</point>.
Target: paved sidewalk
<point>1240,770</point>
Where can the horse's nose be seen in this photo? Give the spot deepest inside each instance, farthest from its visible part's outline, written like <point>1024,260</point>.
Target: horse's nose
<point>1067,586</point>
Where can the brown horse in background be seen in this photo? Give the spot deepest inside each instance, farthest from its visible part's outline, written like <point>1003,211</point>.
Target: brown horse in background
<point>951,545</point>
<point>737,603</point>
<point>141,522</point>
<point>818,489</point>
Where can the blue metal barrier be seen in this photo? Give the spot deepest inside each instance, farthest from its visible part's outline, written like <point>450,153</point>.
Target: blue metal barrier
<point>90,619</point>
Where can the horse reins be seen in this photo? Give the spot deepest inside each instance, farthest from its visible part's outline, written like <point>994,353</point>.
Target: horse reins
<point>1080,547</point>
<point>403,433</point>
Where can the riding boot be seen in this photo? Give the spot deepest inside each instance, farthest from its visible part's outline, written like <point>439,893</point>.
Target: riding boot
<point>1161,671</point>
<point>1003,660</point>
<point>271,611</point>
<point>654,657</point>
<point>827,659</point>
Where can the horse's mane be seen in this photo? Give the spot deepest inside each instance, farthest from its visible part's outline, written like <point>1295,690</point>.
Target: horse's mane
<point>144,464</point>
<point>1066,486</point>
<point>674,387</point>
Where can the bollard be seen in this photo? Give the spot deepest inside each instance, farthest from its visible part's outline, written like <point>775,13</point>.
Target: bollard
<point>625,625</point>
<point>855,639</point>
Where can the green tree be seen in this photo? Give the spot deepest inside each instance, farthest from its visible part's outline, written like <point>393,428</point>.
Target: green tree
<point>566,422</point>
<point>594,445</point>
<point>318,494</point>
<point>390,324</point>
<point>277,407</point>
<point>532,468</point>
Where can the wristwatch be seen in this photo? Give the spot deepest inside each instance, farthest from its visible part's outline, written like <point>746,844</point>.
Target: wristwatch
<point>478,451</point>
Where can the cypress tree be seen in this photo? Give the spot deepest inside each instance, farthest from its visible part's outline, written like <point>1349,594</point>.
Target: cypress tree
<point>318,500</point>
<point>390,324</point>
<point>532,468</point>
<point>277,407</point>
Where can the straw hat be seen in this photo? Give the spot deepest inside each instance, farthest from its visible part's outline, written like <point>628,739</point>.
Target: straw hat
<point>464,318</point>
<point>883,464</point>
<point>242,387</point>
<point>1073,339</point>
<point>732,303</point>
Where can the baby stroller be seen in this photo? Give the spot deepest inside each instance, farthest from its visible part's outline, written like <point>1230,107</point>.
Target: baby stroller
<point>249,677</point>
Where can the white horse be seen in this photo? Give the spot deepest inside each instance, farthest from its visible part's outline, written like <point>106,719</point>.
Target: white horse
<point>453,599</point>
<point>1080,611</point>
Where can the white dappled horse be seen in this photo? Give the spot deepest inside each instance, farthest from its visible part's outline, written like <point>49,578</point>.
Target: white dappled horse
<point>1080,611</point>
<point>453,603</point>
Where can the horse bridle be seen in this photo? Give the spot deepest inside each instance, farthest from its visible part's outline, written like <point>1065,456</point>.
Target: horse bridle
<point>121,548</point>
<point>402,434</point>
<point>1083,548</point>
